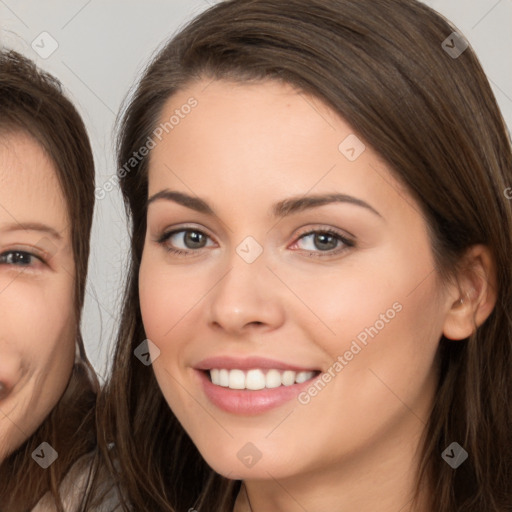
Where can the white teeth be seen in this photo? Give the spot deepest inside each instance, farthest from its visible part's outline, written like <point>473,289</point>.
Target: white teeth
<point>288,378</point>
<point>224,378</point>
<point>236,379</point>
<point>303,377</point>
<point>256,378</point>
<point>273,379</point>
<point>214,374</point>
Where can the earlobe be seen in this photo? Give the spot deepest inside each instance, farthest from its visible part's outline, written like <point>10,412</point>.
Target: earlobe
<point>474,298</point>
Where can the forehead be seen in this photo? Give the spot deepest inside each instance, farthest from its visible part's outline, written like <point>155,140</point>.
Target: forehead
<point>29,186</point>
<point>258,141</point>
<point>246,133</point>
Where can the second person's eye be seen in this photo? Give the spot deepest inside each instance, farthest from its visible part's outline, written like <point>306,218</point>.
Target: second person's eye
<point>18,258</point>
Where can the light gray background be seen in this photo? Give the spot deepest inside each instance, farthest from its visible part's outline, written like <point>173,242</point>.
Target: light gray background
<point>102,48</point>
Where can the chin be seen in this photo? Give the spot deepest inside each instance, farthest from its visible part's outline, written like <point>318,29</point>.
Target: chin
<point>244,461</point>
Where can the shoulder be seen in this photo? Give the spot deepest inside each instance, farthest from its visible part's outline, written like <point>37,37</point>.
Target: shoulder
<point>84,483</point>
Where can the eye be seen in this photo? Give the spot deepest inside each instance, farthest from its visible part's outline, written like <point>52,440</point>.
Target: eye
<point>323,241</point>
<point>185,240</point>
<point>19,259</point>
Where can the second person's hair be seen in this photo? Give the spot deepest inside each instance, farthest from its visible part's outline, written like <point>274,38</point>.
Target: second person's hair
<point>32,103</point>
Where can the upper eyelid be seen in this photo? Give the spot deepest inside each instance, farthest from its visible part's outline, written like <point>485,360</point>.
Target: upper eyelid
<point>325,228</point>
<point>172,231</point>
<point>32,251</point>
<point>345,240</point>
<point>167,233</point>
<point>343,237</point>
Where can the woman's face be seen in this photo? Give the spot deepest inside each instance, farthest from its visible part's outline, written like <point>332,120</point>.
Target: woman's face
<point>282,256</point>
<point>37,320</point>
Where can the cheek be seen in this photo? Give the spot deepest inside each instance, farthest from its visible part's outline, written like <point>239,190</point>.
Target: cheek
<point>366,290</point>
<point>383,320</point>
<point>37,341</point>
<point>387,341</point>
<point>340,301</point>
<point>168,294</point>
<point>38,321</point>
<point>171,308</point>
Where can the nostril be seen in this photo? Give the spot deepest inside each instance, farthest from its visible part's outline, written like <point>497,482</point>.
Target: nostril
<point>3,390</point>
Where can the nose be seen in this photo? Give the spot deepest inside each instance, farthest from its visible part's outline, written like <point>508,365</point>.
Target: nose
<point>4,391</point>
<point>247,299</point>
<point>11,366</point>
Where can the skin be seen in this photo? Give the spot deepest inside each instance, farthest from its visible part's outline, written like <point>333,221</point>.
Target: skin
<point>353,445</point>
<point>37,319</point>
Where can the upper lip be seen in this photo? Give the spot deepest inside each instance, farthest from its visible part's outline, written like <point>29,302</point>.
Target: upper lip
<point>248,363</point>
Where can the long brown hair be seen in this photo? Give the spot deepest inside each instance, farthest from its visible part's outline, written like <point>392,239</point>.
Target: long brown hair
<point>433,118</point>
<point>32,102</point>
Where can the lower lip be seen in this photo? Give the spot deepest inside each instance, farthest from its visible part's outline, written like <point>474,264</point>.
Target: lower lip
<point>246,402</point>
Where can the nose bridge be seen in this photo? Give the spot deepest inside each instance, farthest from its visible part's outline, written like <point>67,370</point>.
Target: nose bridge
<point>246,295</point>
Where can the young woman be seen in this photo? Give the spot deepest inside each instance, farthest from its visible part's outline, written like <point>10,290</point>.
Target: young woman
<point>321,267</point>
<point>47,386</point>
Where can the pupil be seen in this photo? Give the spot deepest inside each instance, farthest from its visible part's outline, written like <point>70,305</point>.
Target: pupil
<point>325,241</point>
<point>194,240</point>
<point>19,258</point>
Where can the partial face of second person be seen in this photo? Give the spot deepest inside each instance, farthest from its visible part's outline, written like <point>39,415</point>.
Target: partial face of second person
<point>253,274</point>
<point>37,319</point>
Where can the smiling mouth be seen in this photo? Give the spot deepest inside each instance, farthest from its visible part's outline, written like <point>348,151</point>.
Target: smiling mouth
<point>256,379</point>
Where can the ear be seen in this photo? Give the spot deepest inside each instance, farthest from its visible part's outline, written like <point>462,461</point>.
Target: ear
<point>473,298</point>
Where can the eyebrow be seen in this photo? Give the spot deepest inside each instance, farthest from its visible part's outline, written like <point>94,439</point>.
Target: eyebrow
<point>194,203</point>
<point>298,204</point>
<point>32,226</point>
<point>281,209</point>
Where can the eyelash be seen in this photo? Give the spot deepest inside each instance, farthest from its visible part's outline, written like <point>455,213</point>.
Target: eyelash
<point>4,256</point>
<point>348,243</point>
